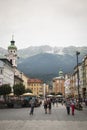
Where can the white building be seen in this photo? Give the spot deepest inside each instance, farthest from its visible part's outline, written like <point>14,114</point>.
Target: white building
<point>8,67</point>
<point>67,85</point>
<point>9,74</point>
<point>6,72</point>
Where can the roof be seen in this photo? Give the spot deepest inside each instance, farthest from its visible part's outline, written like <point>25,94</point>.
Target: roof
<point>34,81</point>
<point>5,60</point>
<point>17,77</point>
<point>60,73</point>
<point>12,46</point>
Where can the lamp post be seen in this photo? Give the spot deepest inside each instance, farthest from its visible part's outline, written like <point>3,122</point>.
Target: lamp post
<point>77,53</point>
<point>44,90</point>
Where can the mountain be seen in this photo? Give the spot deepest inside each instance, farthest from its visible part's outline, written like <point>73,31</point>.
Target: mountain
<point>44,62</point>
<point>34,50</point>
<point>46,66</point>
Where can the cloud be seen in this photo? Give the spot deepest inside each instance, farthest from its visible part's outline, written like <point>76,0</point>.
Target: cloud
<point>38,22</point>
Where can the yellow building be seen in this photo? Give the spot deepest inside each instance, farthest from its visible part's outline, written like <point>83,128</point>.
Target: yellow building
<point>36,86</point>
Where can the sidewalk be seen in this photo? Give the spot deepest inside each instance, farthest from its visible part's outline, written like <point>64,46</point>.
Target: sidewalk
<point>84,108</point>
<point>43,125</point>
<point>58,120</point>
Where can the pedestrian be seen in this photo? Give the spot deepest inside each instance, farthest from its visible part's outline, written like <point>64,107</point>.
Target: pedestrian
<point>73,107</point>
<point>53,101</point>
<point>32,103</point>
<point>45,105</point>
<point>86,101</point>
<point>62,102</point>
<point>56,100</point>
<point>68,106</point>
<point>49,105</point>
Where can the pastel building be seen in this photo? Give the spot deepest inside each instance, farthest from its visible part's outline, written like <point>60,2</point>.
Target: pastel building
<point>36,85</point>
<point>58,84</point>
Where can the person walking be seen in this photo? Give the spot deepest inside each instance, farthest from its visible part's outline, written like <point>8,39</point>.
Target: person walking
<point>73,107</point>
<point>32,102</point>
<point>56,100</point>
<point>68,106</point>
<point>45,105</point>
<point>49,106</point>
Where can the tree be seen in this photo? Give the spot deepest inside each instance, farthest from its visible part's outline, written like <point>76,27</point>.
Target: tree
<point>4,90</point>
<point>28,90</point>
<point>19,89</point>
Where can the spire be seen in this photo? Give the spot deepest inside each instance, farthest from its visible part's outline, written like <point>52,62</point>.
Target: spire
<point>12,37</point>
<point>12,46</point>
<point>12,52</point>
<point>12,42</point>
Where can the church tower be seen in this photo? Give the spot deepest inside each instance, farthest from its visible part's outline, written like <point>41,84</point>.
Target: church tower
<point>61,73</point>
<point>12,53</point>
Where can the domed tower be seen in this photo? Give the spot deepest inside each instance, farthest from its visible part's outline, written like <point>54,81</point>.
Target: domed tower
<point>60,73</point>
<point>12,53</point>
<point>58,84</point>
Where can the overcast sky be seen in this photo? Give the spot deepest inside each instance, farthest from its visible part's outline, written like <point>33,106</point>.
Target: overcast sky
<point>43,22</point>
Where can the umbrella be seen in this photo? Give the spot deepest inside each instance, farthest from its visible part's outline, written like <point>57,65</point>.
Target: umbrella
<point>27,94</point>
<point>50,95</point>
<point>59,96</point>
<point>11,94</point>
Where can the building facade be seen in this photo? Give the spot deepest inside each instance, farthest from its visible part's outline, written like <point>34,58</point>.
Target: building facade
<point>6,73</point>
<point>67,85</point>
<point>9,74</point>
<point>58,84</point>
<point>36,86</point>
<point>84,66</point>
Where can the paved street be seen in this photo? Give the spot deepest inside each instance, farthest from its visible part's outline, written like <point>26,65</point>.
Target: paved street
<point>16,119</point>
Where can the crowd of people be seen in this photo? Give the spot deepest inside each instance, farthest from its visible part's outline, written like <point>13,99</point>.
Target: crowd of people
<point>70,105</point>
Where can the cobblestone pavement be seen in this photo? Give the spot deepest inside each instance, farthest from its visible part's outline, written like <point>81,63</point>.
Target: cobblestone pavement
<point>19,119</point>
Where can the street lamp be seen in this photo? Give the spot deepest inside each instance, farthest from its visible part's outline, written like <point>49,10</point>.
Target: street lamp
<point>44,90</point>
<point>77,53</point>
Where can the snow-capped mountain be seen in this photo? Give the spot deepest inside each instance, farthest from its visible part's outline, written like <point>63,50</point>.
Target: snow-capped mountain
<point>44,62</point>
